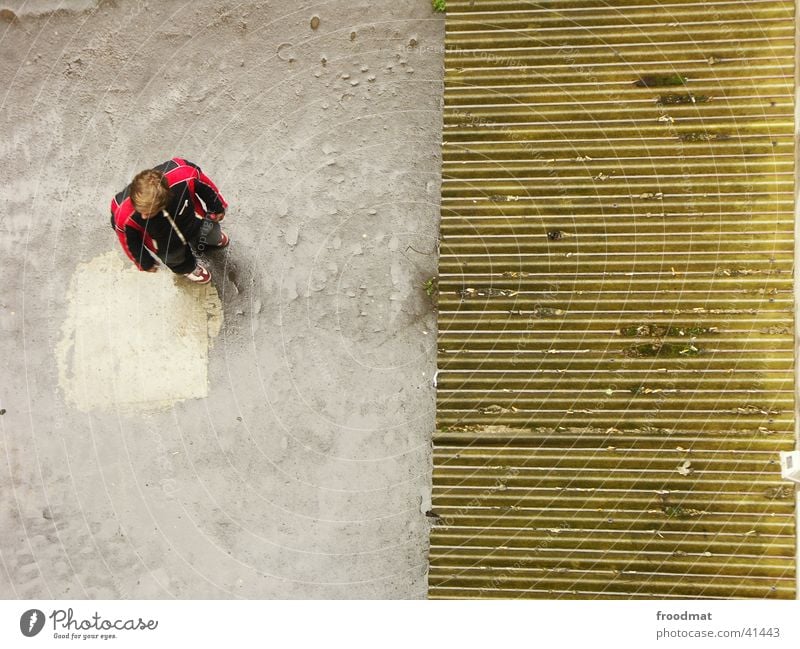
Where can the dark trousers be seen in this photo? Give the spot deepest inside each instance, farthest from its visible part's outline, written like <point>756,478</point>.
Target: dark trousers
<point>181,259</point>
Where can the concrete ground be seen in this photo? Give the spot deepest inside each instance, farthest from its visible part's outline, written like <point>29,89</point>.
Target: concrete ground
<point>267,437</point>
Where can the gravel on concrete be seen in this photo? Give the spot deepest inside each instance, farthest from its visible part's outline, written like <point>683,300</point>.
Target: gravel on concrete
<point>302,470</point>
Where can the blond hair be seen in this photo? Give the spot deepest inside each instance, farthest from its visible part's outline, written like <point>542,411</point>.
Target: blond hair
<point>149,191</point>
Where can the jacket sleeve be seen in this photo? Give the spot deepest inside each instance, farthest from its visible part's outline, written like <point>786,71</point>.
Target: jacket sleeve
<point>133,243</point>
<point>205,188</point>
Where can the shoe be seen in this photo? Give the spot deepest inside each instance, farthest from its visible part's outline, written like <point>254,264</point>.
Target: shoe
<point>199,275</point>
<point>223,241</point>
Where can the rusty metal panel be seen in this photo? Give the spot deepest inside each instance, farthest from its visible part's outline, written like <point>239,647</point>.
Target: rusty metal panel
<point>615,301</point>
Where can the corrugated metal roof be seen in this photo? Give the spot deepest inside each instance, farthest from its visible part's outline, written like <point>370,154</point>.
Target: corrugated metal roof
<point>616,309</point>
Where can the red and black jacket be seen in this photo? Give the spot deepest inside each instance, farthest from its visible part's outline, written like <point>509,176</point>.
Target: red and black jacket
<point>192,196</point>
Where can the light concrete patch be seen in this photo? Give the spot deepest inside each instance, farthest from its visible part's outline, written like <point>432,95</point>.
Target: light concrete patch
<point>135,340</point>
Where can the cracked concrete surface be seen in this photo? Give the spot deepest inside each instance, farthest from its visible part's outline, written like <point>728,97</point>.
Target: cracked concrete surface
<point>305,470</point>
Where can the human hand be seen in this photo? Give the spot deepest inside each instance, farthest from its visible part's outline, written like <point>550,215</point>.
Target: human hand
<point>152,269</point>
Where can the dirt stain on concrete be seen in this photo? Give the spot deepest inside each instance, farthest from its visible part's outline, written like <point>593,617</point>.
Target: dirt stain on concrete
<point>135,341</point>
